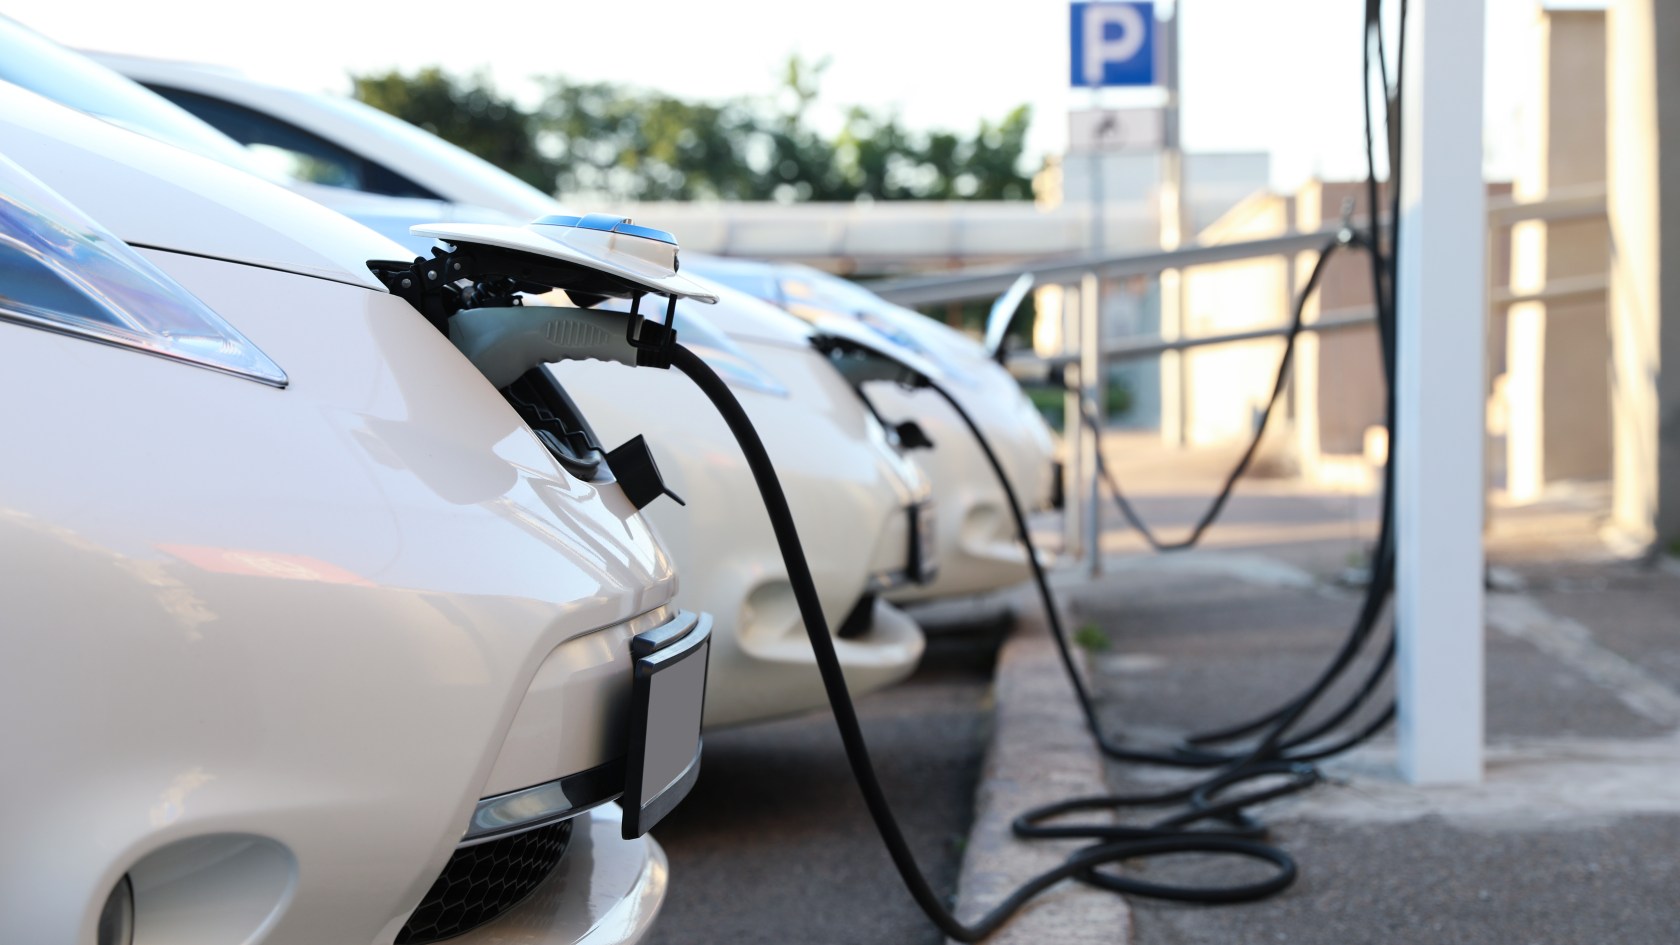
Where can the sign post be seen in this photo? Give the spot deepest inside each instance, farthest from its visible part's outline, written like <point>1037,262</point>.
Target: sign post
<point>1112,44</point>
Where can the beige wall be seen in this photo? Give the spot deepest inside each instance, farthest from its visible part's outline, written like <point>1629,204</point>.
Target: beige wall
<point>1341,372</point>
<point>1336,395</point>
<point>1336,392</point>
<point>1556,385</point>
<point>1548,363</point>
<point>1227,385</point>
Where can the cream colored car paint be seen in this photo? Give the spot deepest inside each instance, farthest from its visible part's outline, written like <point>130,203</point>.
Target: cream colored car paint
<point>849,487</point>
<point>850,504</point>
<point>265,648</point>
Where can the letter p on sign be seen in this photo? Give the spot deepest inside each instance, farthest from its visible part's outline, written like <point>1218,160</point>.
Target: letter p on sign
<point>1113,44</point>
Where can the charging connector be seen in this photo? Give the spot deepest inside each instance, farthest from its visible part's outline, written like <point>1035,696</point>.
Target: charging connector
<point>505,342</point>
<point>1212,818</point>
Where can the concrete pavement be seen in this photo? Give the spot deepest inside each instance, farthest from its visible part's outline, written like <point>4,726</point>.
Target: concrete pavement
<point>774,846</point>
<point>1574,836</point>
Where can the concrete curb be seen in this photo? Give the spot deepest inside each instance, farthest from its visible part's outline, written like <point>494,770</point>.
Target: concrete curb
<point>1040,753</point>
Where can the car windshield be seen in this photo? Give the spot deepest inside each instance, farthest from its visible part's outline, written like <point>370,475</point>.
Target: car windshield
<point>34,62</point>
<point>811,292</point>
<point>448,159</point>
<point>755,279</point>
<point>813,289</point>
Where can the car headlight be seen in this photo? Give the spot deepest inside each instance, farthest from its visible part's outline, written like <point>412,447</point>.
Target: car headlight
<point>60,271</point>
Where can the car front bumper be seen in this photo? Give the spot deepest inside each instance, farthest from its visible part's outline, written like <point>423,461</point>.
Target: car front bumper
<point>778,676</point>
<point>606,891</point>
<point>978,549</point>
<point>853,499</point>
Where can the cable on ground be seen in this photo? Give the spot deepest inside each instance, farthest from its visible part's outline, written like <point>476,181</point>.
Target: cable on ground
<point>1211,815</point>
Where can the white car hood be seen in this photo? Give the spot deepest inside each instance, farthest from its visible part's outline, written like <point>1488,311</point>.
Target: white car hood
<point>746,318</point>
<point>156,195</point>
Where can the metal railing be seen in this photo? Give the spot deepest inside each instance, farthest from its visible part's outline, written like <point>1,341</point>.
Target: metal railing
<point>1089,355</point>
<point>991,281</point>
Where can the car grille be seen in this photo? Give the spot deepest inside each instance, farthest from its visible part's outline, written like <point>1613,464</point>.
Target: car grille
<point>485,880</point>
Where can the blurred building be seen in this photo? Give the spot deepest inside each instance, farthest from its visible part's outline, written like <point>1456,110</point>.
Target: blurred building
<point>1554,389</point>
<point>1579,329</point>
<point>887,237</point>
<point>1550,356</point>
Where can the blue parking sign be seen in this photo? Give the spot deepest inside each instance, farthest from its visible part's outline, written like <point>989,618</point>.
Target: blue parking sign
<point>1113,44</point>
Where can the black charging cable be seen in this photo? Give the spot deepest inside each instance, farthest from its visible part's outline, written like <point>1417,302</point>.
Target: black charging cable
<point>1195,749</point>
<point>1114,843</point>
<point>1384,260</point>
<point>1345,238</point>
<point>1213,818</point>
<point>1194,752</point>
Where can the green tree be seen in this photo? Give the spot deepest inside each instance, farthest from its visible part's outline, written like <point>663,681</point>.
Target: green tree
<point>628,143</point>
<point>994,158</point>
<point>623,143</point>
<point>467,111</point>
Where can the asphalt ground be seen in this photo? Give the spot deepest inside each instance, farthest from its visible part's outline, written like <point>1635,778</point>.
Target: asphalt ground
<point>774,845</point>
<point>1564,842</point>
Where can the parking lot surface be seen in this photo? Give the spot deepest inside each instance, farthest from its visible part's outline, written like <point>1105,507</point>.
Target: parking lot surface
<point>1572,835</point>
<point>774,844</point>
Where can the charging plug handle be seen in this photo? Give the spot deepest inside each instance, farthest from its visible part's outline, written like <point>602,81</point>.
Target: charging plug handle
<point>505,342</point>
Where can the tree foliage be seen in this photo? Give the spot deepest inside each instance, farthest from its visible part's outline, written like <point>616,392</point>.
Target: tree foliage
<point>467,111</point>
<point>624,143</point>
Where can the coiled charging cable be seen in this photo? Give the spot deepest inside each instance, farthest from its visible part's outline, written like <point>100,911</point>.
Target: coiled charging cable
<point>1115,843</point>
<point>1212,817</point>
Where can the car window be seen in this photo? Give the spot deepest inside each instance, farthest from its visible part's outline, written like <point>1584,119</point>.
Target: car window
<point>288,149</point>
<point>445,162</point>
<point>758,281</point>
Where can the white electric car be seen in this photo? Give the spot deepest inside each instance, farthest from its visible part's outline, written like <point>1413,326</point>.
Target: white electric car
<point>845,481</point>
<point>865,515</point>
<point>980,548</point>
<point>375,163</point>
<point>308,636</point>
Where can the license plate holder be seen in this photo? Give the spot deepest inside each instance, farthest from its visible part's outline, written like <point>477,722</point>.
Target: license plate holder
<point>923,563</point>
<point>668,691</point>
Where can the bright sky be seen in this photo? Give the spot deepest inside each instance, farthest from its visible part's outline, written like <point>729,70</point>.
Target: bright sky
<point>1279,76</point>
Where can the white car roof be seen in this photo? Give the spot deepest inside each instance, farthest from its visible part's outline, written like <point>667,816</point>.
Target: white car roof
<point>453,173</point>
<point>152,194</point>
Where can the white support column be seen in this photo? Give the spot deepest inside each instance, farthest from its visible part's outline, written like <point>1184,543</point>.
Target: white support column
<point>1644,216</point>
<point>1438,440</point>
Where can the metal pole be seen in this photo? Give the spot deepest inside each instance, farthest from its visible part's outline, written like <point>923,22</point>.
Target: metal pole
<point>1174,387</point>
<point>1095,195</point>
<point>1073,428</point>
<point>1303,374</point>
<point>1091,388</point>
<point>989,282</point>
<point>1438,436</point>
